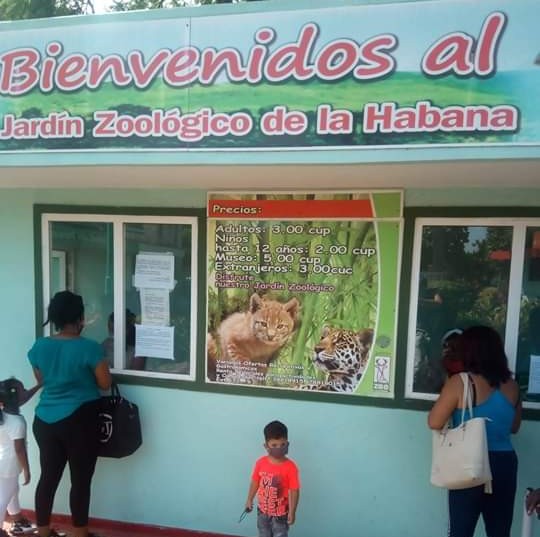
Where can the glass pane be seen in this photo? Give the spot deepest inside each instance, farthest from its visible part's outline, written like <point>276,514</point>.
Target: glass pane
<point>464,276</point>
<point>81,260</point>
<point>528,355</point>
<point>164,316</point>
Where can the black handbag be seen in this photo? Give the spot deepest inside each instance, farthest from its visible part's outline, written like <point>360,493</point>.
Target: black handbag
<point>119,426</point>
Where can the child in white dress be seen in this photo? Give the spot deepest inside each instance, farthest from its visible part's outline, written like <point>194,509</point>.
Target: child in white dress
<point>13,455</point>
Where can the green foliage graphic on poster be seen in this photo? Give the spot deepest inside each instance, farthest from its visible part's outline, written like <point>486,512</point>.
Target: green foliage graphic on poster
<point>302,290</point>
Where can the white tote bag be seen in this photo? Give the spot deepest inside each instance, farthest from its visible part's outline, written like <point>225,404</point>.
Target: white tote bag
<point>460,455</point>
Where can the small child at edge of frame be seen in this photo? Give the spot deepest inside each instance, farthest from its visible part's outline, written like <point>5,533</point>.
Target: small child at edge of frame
<point>13,455</point>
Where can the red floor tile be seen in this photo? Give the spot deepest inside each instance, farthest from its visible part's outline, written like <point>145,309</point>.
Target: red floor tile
<point>113,528</point>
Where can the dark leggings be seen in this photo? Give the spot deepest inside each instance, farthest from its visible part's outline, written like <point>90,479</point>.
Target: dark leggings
<point>497,509</point>
<point>72,440</point>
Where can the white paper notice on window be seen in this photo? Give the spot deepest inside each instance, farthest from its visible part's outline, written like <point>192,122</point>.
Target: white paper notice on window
<point>155,306</point>
<point>534,374</point>
<point>155,271</point>
<point>154,341</point>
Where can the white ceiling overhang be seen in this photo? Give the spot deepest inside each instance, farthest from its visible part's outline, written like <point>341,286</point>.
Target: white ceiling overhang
<point>496,173</point>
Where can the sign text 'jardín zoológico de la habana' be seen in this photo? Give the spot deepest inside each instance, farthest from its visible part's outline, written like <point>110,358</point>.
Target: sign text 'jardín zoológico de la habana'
<point>291,83</point>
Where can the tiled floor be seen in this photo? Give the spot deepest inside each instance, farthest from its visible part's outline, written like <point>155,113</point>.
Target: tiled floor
<point>108,532</point>
<point>110,528</point>
<point>135,531</point>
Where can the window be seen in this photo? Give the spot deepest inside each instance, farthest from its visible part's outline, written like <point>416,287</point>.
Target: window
<point>470,271</point>
<point>137,277</point>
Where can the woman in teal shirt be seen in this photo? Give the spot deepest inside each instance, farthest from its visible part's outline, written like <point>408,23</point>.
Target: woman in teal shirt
<point>71,369</point>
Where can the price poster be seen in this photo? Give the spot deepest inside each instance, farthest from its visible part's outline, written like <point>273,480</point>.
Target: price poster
<point>302,290</point>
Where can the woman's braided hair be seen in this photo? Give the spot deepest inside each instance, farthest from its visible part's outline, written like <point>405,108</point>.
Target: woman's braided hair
<point>65,308</point>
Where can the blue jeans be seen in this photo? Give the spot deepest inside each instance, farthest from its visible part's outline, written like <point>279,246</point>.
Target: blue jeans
<point>272,526</point>
<point>497,509</point>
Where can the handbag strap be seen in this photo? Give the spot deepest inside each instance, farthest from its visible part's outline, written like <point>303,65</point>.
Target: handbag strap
<point>473,386</point>
<point>467,397</point>
<point>468,404</point>
<point>115,390</point>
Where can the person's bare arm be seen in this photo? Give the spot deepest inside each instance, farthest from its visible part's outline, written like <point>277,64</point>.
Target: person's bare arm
<point>22,456</point>
<point>138,363</point>
<point>29,393</point>
<point>26,395</point>
<point>103,375</point>
<point>446,403</point>
<point>533,501</point>
<point>516,424</point>
<point>294,497</point>
<point>512,392</point>
<point>38,376</point>
<point>253,486</point>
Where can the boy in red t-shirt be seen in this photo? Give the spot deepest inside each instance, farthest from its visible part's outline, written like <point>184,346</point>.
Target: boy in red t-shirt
<point>276,483</point>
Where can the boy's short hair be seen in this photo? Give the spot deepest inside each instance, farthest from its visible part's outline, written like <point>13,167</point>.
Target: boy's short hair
<point>275,429</point>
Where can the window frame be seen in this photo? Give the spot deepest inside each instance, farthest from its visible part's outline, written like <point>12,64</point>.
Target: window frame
<point>400,400</point>
<point>118,218</point>
<point>418,218</point>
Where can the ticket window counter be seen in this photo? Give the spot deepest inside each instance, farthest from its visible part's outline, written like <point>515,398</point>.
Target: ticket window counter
<point>474,271</point>
<point>137,277</point>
